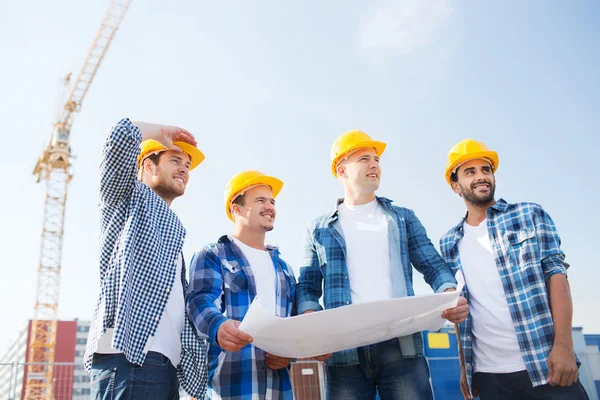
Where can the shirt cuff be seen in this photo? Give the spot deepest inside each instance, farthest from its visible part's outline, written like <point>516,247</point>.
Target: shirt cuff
<point>308,305</point>
<point>554,265</point>
<point>445,287</point>
<point>213,328</point>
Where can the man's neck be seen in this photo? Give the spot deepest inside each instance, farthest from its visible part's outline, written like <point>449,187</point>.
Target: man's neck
<point>251,238</point>
<point>167,199</point>
<point>351,199</point>
<point>477,213</point>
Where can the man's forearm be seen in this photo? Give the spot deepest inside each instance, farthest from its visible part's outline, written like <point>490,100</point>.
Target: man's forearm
<point>561,305</point>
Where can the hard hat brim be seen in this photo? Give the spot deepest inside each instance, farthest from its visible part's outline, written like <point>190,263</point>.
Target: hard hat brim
<point>378,146</point>
<point>492,156</point>
<point>196,156</point>
<point>274,183</point>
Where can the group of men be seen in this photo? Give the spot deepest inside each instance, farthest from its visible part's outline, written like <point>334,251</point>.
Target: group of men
<point>154,330</point>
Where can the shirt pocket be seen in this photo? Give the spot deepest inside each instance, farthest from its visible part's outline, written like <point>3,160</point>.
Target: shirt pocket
<point>234,278</point>
<point>522,246</point>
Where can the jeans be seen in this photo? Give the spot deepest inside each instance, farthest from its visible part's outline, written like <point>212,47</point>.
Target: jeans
<point>517,386</point>
<point>113,377</point>
<point>381,370</point>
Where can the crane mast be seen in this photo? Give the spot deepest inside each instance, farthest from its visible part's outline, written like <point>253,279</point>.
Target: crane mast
<point>54,167</point>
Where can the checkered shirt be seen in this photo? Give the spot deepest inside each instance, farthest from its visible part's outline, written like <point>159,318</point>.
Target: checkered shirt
<point>527,252</point>
<point>325,263</point>
<point>141,239</point>
<point>222,287</point>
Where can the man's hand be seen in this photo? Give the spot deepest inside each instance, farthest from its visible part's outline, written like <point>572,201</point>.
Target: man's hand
<point>562,367</point>
<point>230,338</point>
<point>322,357</point>
<point>165,134</point>
<point>276,362</point>
<point>459,313</point>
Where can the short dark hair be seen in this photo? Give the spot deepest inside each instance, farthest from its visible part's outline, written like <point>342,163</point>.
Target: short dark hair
<point>454,177</point>
<point>239,199</point>
<point>154,157</point>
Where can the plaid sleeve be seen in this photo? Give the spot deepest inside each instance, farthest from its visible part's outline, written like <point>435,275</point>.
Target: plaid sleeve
<point>553,258</point>
<point>204,305</point>
<point>425,258</point>
<point>309,288</point>
<point>118,168</point>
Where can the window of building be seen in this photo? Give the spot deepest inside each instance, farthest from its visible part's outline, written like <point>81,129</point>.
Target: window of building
<point>438,340</point>
<point>81,392</point>
<point>83,328</point>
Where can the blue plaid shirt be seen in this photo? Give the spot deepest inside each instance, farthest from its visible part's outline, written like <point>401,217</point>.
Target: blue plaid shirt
<point>527,252</point>
<point>141,239</point>
<point>222,287</point>
<point>325,260</point>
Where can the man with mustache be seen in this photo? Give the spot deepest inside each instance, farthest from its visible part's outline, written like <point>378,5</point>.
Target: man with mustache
<point>141,343</point>
<point>363,251</point>
<point>517,341</point>
<point>225,277</point>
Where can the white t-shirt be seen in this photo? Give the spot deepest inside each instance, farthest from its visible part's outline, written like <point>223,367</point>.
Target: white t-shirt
<point>365,231</point>
<point>495,345</point>
<point>263,270</point>
<point>167,338</point>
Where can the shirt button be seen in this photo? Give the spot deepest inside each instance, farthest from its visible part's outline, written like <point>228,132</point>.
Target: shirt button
<point>346,277</point>
<point>468,337</point>
<point>168,290</point>
<point>468,365</point>
<point>347,302</point>
<point>156,318</point>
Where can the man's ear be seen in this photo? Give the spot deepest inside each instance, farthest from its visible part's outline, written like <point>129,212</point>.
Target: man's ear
<point>148,166</point>
<point>456,188</point>
<point>235,209</point>
<point>341,170</point>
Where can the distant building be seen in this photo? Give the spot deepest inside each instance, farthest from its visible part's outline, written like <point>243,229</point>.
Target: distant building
<point>592,343</point>
<point>70,380</point>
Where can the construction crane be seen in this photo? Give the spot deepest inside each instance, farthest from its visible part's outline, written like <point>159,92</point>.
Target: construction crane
<point>54,167</point>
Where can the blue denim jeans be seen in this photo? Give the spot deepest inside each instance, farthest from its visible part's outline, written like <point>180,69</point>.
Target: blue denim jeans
<point>113,377</point>
<point>383,371</point>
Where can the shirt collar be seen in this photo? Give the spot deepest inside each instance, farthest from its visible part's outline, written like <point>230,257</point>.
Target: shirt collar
<point>501,205</point>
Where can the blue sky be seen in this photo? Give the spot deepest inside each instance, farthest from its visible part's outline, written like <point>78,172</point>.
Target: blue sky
<point>269,86</point>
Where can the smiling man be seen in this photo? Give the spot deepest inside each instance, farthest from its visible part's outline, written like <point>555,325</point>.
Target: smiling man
<point>226,277</point>
<point>141,343</point>
<point>516,341</point>
<point>363,251</point>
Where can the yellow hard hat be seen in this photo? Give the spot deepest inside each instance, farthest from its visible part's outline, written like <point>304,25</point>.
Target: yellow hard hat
<point>467,150</point>
<point>151,146</point>
<point>245,180</point>
<point>350,141</point>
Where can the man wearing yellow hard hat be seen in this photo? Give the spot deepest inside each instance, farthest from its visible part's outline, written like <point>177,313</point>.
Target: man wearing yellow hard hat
<point>516,341</point>
<point>362,251</point>
<point>226,276</point>
<point>140,331</point>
